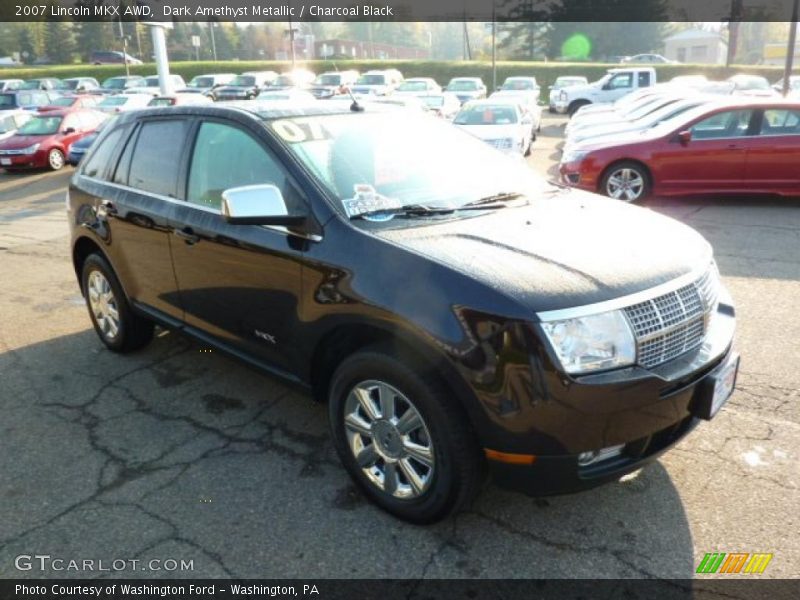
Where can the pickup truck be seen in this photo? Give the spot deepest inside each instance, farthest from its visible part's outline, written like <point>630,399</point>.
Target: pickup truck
<point>612,86</point>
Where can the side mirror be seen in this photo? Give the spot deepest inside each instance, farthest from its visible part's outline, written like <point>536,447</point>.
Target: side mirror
<point>684,137</point>
<point>68,131</point>
<point>257,205</point>
<point>527,120</point>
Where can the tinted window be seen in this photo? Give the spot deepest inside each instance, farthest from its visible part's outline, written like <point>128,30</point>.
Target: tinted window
<point>780,122</point>
<point>728,124</point>
<point>226,157</point>
<point>98,164</point>
<point>644,79</point>
<point>156,158</point>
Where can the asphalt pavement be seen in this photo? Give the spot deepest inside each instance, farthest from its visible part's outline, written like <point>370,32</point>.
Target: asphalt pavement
<point>180,455</point>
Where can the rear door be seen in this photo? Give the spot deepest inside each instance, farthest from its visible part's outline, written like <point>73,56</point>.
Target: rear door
<point>239,284</point>
<point>138,207</point>
<point>773,154</point>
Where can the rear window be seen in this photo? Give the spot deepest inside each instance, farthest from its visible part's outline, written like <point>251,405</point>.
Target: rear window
<point>98,164</point>
<point>7,100</point>
<point>156,157</point>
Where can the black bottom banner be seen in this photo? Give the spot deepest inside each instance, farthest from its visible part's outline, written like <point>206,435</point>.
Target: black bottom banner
<point>390,589</point>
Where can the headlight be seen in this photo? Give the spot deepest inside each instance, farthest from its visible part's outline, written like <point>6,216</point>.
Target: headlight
<point>30,149</point>
<point>593,343</point>
<point>570,155</point>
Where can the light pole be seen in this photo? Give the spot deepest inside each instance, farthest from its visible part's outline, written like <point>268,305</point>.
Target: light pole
<point>213,42</point>
<point>494,47</point>
<point>160,50</point>
<point>787,71</point>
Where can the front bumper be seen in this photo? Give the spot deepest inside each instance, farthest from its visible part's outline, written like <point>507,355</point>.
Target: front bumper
<point>37,160</point>
<point>577,433</point>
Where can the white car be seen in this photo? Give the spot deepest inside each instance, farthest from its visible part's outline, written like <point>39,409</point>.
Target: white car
<point>519,86</point>
<point>467,88</point>
<point>752,85</point>
<point>124,102</point>
<point>417,86</point>
<point>445,104</point>
<point>11,120</point>
<point>609,130</point>
<point>500,123</point>
<point>153,87</point>
<point>631,113</point>
<point>648,59</point>
<point>380,83</point>
<point>559,84</point>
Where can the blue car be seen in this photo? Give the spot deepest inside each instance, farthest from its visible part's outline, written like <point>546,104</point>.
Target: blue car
<point>79,148</point>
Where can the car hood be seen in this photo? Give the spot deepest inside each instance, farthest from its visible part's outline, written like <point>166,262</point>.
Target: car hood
<point>492,132</point>
<point>17,142</point>
<point>566,250</point>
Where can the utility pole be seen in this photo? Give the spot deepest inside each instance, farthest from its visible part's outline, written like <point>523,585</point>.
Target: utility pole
<point>213,41</point>
<point>494,47</point>
<point>787,71</point>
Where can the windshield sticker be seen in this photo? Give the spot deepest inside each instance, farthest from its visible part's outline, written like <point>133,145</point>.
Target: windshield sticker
<point>296,131</point>
<point>367,200</point>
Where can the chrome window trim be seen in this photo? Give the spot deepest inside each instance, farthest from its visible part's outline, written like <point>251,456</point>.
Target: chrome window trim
<point>277,228</point>
<point>628,300</point>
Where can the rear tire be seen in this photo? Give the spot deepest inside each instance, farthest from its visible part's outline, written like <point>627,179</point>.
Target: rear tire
<point>380,406</point>
<point>117,326</point>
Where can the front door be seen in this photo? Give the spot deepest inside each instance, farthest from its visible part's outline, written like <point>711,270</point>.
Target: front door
<point>240,284</point>
<point>714,160</point>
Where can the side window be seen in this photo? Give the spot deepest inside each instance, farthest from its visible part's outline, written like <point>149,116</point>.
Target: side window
<point>621,81</point>
<point>98,164</point>
<point>644,79</point>
<point>780,122</point>
<point>226,157</point>
<point>727,124</point>
<point>156,157</point>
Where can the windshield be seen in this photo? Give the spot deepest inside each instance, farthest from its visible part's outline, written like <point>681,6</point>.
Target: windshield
<point>328,79</point>
<point>115,101</point>
<point>486,114</point>
<point>518,84</point>
<point>243,81</point>
<point>372,79</point>
<point>462,85</point>
<point>71,84</point>
<point>7,100</point>
<point>33,84</point>
<point>63,101</point>
<point>202,82</point>
<point>284,80</point>
<point>379,156</point>
<point>412,86</point>
<point>115,83</point>
<point>41,126</point>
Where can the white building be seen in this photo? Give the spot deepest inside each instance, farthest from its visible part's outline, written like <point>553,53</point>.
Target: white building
<point>697,46</point>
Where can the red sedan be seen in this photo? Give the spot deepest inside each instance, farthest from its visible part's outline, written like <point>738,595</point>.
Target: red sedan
<point>72,101</point>
<point>738,146</point>
<point>45,140</point>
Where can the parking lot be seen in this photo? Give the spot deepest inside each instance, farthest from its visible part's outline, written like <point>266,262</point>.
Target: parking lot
<point>178,453</point>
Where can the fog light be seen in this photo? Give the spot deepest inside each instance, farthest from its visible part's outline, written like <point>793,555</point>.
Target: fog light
<point>595,456</point>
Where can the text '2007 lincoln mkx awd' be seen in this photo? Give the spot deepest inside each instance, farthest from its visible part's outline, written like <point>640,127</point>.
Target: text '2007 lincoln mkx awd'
<point>458,314</point>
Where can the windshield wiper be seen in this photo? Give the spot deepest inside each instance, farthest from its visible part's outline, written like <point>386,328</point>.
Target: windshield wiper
<point>494,201</point>
<point>407,209</point>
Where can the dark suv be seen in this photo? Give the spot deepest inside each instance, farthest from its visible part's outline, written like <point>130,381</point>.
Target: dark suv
<point>455,311</point>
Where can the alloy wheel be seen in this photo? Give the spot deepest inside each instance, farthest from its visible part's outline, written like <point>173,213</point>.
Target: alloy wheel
<point>625,184</point>
<point>389,439</point>
<point>103,305</point>
<point>55,159</point>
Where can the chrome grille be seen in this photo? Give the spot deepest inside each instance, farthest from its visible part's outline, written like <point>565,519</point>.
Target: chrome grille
<point>669,325</point>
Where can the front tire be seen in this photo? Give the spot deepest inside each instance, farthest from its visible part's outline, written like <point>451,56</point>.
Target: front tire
<point>55,159</point>
<point>627,181</point>
<point>402,437</point>
<point>117,326</point>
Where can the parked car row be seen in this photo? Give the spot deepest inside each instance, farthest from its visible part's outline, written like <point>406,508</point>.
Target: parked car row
<point>670,140</point>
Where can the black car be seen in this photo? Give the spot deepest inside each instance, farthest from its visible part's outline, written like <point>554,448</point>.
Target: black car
<point>456,315</point>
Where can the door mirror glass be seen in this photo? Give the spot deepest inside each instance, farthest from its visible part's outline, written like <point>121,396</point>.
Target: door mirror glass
<point>261,204</point>
<point>684,137</point>
<point>68,130</point>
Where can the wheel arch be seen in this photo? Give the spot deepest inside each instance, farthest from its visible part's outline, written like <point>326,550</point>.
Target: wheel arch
<point>81,249</point>
<point>344,339</point>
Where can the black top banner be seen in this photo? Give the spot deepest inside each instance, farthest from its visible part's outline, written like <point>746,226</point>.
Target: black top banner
<point>398,10</point>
